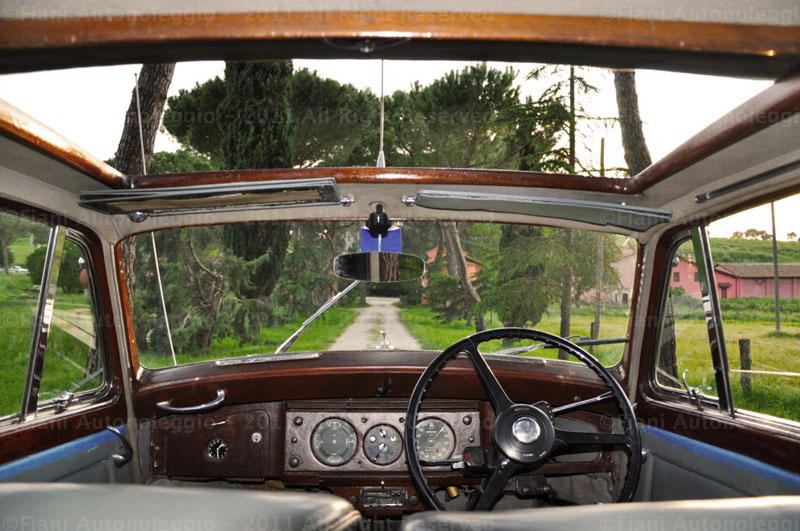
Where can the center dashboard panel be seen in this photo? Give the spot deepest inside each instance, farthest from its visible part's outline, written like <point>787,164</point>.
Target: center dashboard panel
<point>357,438</point>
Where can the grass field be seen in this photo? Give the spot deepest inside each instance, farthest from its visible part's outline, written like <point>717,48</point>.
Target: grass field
<point>21,248</point>
<point>773,395</point>
<point>433,334</point>
<point>318,336</point>
<point>66,356</point>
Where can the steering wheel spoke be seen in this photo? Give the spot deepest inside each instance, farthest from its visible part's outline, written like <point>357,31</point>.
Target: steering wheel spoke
<point>497,396</point>
<point>497,483</point>
<point>605,397</point>
<point>566,438</point>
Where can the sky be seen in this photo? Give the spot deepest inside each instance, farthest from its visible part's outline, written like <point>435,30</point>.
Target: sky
<point>88,105</point>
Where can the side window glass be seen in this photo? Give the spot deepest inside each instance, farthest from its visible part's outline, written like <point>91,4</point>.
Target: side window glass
<point>754,255</point>
<point>20,238</point>
<point>684,345</point>
<point>73,361</point>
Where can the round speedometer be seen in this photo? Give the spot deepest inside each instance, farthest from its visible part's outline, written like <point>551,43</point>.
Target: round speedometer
<point>435,439</point>
<point>334,442</point>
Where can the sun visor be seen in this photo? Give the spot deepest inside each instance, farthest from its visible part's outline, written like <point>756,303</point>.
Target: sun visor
<point>593,212</point>
<point>214,197</point>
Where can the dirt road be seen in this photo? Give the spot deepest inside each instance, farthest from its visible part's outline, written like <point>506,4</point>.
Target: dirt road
<point>364,333</point>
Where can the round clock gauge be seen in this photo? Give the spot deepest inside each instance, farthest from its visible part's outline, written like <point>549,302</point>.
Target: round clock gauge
<point>216,450</point>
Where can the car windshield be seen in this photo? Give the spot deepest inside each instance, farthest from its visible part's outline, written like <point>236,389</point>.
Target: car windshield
<point>242,289</point>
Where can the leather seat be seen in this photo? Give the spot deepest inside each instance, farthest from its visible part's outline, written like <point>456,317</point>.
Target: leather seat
<point>739,514</point>
<point>94,506</point>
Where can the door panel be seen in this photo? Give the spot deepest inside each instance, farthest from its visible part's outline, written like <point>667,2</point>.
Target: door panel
<point>680,468</point>
<point>703,447</point>
<point>73,384</point>
<point>84,460</point>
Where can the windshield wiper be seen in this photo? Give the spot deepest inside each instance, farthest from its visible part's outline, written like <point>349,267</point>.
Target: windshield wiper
<point>584,342</point>
<point>333,300</point>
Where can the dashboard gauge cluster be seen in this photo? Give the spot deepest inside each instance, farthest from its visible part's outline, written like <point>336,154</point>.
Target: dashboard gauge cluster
<point>334,442</point>
<point>318,441</point>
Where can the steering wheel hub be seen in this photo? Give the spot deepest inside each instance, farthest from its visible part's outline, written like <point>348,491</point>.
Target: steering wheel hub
<point>526,430</point>
<point>525,433</point>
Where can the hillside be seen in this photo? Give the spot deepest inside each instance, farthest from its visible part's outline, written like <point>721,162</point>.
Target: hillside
<point>743,250</point>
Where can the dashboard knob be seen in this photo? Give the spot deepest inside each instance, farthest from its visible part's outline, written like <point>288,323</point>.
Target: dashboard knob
<point>294,461</point>
<point>353,500</point>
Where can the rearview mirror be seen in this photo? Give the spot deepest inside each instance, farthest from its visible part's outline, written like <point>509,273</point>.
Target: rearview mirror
<point>379,267</point>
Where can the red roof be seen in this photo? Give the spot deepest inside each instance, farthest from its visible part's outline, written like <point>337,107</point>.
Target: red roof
<point>760,270</point>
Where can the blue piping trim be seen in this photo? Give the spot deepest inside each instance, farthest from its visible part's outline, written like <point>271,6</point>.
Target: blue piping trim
<point>726,456</point>
<point>57,453</point>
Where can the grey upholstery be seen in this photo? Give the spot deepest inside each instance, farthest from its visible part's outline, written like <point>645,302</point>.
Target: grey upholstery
<point>100,507</point>
<point>740,514</point>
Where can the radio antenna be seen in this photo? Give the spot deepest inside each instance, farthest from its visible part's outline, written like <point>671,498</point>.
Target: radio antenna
<point>152,234</point>
<point>381,158</point>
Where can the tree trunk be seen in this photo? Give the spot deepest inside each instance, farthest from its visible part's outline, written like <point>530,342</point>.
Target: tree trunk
<point>667,355</point>
<point>566,276</point>
<point>456,254</point>
<point>154,81</point>
<point>566,294</point>
<point>5,257</point>
<point>637,156</point>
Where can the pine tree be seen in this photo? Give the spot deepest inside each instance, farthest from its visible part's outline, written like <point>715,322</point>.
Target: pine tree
<point>257,133</point>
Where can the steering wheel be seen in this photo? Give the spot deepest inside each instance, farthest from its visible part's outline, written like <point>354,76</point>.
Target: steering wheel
<point>524,435</point>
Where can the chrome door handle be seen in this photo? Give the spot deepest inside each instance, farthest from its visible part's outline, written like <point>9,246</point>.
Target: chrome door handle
<point>202,408</point>
<point>124,454</point>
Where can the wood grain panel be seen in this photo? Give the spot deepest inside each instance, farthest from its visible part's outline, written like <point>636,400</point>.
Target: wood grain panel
<point>27,130</point>
<point>356,375</point>
<point>390,176</point>
<point>102,40</point>
<point>182,439</point>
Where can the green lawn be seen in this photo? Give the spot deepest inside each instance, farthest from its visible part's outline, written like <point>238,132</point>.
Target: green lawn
<point>66,357</point>
<point>16,312</point>
<point>432,334</point>
<point>318,336</point>
<point>774,395</point>
<point>21,248</point>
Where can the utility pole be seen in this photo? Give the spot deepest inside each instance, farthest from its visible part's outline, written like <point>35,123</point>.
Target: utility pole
<point>598,300</point>
<point>775,272</point>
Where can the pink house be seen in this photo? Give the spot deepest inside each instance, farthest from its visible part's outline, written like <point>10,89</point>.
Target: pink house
<point>736,280</point>
<point>757,280</point>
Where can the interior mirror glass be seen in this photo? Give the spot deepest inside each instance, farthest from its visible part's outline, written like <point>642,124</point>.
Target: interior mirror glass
<point>379,267</point>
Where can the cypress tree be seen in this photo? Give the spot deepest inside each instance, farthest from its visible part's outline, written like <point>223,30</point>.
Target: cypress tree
<point>257,133</point>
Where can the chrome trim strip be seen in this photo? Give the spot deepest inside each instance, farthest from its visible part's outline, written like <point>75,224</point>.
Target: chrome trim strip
<point>43,318</point>
<point>593,212</point>
<point>262,358</point>
<point>211,197</point>
<point>713,315</point>
<point>200,408</point>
